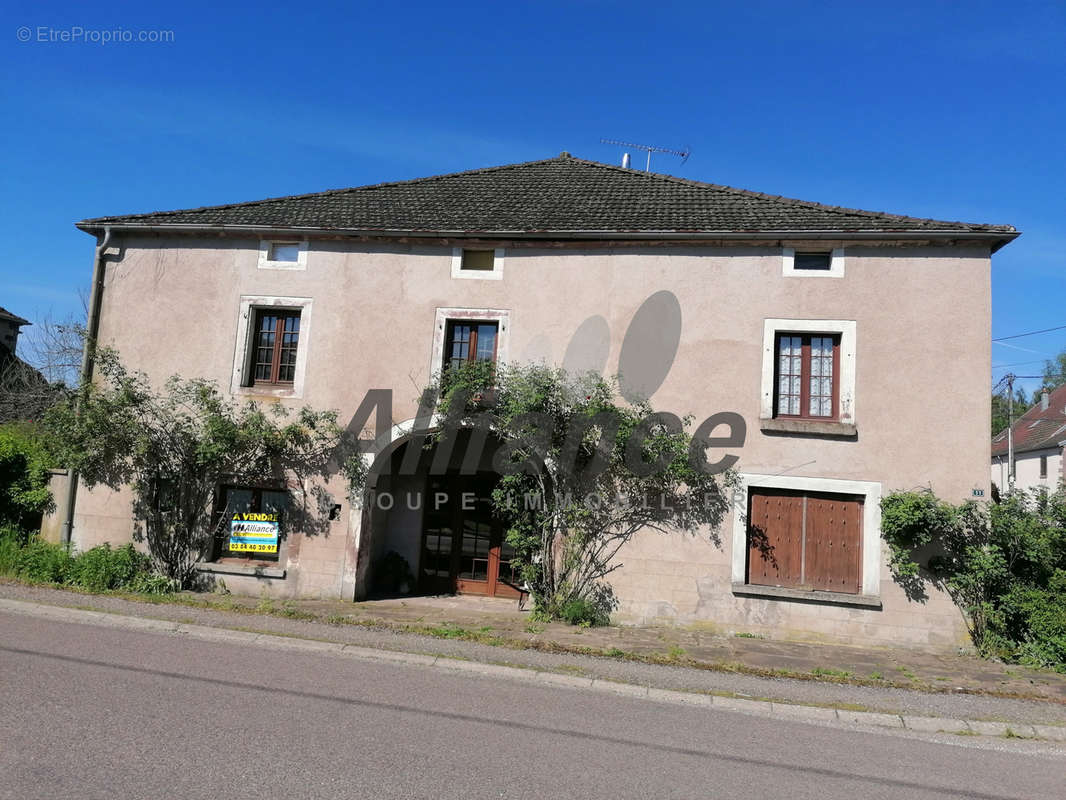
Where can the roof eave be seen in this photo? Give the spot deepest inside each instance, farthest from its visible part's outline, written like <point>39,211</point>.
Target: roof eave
<point>997,238</point>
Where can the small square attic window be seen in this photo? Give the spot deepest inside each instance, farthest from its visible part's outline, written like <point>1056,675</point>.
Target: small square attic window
<point>286,252</point>
<point>813,261</point>
<point>480,260</point>
<point>282,254</point>
<point>477,263</point>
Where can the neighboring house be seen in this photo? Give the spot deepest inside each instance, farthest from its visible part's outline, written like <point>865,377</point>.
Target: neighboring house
<point>24,392</point>
<point>1039,436</point>
<point>10,327</point>
<point>824,327</point>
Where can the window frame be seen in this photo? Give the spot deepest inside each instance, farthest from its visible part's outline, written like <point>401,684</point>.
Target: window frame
<point>502,318</point>
<point>241,380</point>
<point>494,274</point>
<point>836,263</point>
<point>449,328</point>
<point>805,376</point>
<point>274,380</point>
<point>846,417</point>
<point>1043,466</point>
<point>870,560</point>
<point>266,250</point>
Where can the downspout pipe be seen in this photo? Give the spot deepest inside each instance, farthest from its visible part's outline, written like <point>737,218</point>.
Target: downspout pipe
<point>92,329</point>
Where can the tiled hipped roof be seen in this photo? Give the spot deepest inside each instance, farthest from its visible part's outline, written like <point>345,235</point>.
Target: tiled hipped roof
<point>1037,428</point>
<point>557,195</point>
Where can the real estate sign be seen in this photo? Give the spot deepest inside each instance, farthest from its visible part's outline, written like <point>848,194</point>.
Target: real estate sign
<point>253,533</point>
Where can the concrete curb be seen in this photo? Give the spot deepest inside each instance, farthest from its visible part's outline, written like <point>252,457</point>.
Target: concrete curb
<point>741,705</point>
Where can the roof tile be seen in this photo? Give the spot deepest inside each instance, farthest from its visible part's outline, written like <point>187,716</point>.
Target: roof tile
<point>1037,428</point>
<point>563,194</point>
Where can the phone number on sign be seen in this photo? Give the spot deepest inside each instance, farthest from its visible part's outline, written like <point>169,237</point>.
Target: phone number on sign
<point>253,548</point>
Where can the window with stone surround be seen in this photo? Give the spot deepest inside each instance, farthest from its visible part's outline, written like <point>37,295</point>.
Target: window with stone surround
<point>807,539</point>
<point>808,376</point>
<point>271,352</point>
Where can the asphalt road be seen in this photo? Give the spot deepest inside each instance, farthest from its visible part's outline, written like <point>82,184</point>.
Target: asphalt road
<point>95,712</point>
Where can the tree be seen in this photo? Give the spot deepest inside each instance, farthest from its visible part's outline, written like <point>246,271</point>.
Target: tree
<point>999,409</point>
<point>173,448</point>
<point>1055,371</point>
<point>580,473</point>
<point>50,360</point>
<point>24,463</point>
<point>25,394</point>
<point>54,346</point>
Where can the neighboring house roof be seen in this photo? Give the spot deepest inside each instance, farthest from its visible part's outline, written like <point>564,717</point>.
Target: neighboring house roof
<point>1037,428</point>
<point>563,195</point>
<point>5,314</point>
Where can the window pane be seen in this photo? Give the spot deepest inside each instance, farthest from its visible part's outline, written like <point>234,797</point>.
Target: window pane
<point>812,261</point>
<point>789,367</point>
<point>238,500</point>
<point>474,559</point>
<point>821,382</point>
<point>289,341</point>
<point>486,342</point>
<point>480,260</point>
<point>273,502</point>
<point>458,346</point>
<point>285,251</point>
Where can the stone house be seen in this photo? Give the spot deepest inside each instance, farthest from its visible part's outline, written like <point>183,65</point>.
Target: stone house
<point>824,327</point>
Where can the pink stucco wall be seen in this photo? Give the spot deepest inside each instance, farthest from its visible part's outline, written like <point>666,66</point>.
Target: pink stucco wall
<point>922,320</point>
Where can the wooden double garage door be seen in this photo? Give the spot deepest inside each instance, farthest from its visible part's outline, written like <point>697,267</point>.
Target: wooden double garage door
<point>805,540</point>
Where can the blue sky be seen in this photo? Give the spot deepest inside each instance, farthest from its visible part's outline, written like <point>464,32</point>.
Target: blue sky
<point>946,110</point>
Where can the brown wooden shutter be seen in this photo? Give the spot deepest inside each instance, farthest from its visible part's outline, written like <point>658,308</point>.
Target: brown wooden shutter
<point>807,541</point>
<point>775,538</point>
<point>833,544</point>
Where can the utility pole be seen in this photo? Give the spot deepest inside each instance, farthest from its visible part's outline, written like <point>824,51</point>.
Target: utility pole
<point>1010,430</point>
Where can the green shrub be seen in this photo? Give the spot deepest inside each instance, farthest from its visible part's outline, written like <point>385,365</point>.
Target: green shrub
<point>103,568</point>
<point>42,561</point>
<point>100,569</point>
<point>11,541</point>
<point>1003,564</point>
<point>1036,618</point>
<point>584,612</point>
<point>151,583</point>
<point>24,463</point>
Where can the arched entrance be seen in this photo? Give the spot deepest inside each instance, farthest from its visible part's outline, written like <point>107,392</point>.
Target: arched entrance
<point>435,518</point>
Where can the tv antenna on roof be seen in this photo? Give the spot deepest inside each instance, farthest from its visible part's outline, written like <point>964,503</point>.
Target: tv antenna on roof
<point>649,148</point>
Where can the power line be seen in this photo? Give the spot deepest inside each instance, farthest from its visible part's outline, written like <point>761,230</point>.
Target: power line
<point>1019,364</point>
<point>1030,333</point>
